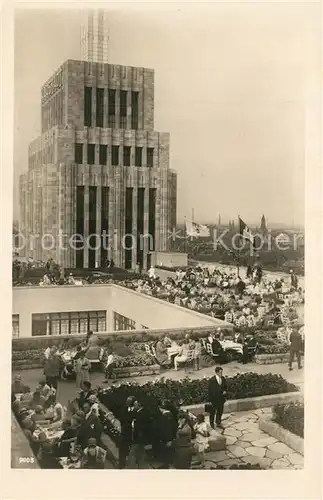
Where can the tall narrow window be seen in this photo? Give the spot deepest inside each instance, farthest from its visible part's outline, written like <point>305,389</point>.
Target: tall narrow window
<point>152,218</point>
<point>87,106</point>
<point>103,154</point>
<point>128,229</point>
<point>134,110</point>
<point>138,157</point>
<point>92,226</point>
<point>123,108</point>
<point>140,225</point>
<point>104,225</point>
<point>150,157</point>
<point>115,155</point>
<point>91,154</point>
<point>126,156</point>
<point>111,108</point>
<point>78,153</point>
<point>79,243</point>
<point>99,107</point>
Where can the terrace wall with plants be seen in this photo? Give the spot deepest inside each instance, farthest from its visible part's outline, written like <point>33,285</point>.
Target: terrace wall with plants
<point>186,392</point>
<point>290,417</point>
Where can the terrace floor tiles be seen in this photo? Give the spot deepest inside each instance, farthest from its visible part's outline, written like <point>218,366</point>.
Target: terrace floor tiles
<point>263,442</point>
<point>273,454</point>
<point>229,431</point>
<point>281,448</point>
<point>253,436</point>
<point>296,458</point>
<point>237,451</point>
<point>256,452</point>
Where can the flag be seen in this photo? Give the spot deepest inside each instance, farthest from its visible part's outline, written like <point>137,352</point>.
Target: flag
<point>246,232</point>
<point>197,230</point>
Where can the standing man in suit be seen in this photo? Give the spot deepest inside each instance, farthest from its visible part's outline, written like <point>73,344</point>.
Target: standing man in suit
<point>217,393</point>
<point>126,420</point>
<point>295,347</point>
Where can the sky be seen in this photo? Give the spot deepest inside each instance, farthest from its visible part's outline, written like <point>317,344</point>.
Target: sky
<point>232,85</point>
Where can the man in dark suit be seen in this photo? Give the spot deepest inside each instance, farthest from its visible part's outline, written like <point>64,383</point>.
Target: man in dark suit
<point>295,347</point>
<point>85,394</point>
<point>126,420</point>
<point>91,427</point>
<point>139,429</point>
<point>216,395</point>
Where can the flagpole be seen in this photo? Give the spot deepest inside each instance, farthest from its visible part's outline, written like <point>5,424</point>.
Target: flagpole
<point>238,252</point>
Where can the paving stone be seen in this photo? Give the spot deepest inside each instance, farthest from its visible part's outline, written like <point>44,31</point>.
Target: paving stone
<point>280,463</point>
<point>237,451</point>
<point>229,431</point>
<point>252,427</point>
<point>217,456</point>
<point>281,448</point>
<point>243,444</point>
<point>265,462</point>
<point>267,411</point>
<point>296,459</point>
<point>229,461</point>
<point>250,460</point>
<point>273,454</point>
<point>231,440</point>
<point>245,426</point>
<point>253,436</point>
<point>256,452</point>
<point>263,442</point>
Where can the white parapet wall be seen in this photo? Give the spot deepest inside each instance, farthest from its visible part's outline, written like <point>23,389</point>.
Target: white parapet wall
<point>145,311</point>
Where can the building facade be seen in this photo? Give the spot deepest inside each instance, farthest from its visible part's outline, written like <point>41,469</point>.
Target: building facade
<point>98,184</point>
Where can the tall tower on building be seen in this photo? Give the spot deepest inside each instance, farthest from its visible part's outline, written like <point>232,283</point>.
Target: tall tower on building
<point>263,226</point>
<point>98,182</point>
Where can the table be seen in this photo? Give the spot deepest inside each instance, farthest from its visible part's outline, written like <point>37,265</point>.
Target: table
<point>67,463</point>
<point>229,344</point>
<point>173,350</point>
<point>51,434</point>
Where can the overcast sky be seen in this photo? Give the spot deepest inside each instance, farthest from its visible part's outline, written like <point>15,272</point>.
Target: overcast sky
<point>232,82</point>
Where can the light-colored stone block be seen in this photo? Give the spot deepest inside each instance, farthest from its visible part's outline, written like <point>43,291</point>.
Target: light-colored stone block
<point>256,452</point>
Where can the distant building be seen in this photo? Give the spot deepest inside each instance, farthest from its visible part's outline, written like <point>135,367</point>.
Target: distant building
<point>99,167</point>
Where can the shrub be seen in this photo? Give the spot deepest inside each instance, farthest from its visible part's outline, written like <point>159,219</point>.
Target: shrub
<point>190,392</point>
<point>277,348</point>
<point>134,360</point>
<point>290,417</point>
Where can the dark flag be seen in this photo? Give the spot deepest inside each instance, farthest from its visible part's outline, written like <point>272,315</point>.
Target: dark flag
<point>246,232</point>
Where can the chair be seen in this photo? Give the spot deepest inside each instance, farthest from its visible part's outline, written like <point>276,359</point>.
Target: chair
<point>270,322</point>
<point>203,342</point>
<point>147,349</point>
<point>153,351</point>
<point>189,360</point>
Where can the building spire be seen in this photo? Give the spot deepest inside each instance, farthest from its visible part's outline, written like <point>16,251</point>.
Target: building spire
<point>94,36</point>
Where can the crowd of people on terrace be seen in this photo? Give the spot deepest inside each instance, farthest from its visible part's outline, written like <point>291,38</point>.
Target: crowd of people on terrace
<point>252,301</point>
<point>72,436</point>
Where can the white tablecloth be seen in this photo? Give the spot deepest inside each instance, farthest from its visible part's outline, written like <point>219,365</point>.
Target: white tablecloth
<point>229,344</point>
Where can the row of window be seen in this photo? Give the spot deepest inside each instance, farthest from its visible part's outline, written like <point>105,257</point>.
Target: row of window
<point>122,322</point>
<point>67,323</point>
<point>113,105</point>
<point>15,325</point>
<point>115,155</point>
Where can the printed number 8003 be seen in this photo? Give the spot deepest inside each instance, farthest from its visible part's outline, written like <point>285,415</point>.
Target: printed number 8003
<point>26,460</point>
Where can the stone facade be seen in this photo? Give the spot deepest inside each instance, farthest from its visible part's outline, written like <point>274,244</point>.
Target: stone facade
<point>59,163</point>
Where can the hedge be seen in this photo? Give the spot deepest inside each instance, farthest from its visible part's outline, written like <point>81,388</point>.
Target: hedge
<point>290,417</point>
<point>189,392</point>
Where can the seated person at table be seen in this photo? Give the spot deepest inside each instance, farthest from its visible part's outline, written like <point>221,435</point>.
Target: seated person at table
<point>190,341</point>
<point>37,399</point>
<point>69,436</point>
<point>55,411</point>
<point>162,353</point>
<point>28,427</point>
<point>84,394</point>
<point>93,456</point>
<point>38,417</point>
<point>182,355</point>
<point>218,349</point>
<point>45,389</point>
<point>91,427</point>
<point>18,387</point>
<point>46,454</point>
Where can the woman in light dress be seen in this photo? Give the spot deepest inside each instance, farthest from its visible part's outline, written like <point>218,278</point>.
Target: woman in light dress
<point>202,438</point>
<point>82,370</point>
